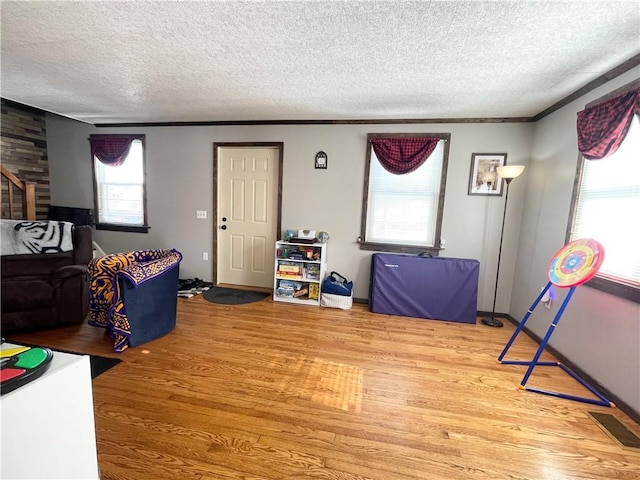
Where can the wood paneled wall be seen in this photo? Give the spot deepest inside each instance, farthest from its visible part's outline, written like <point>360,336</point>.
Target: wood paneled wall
<point>24,151</point>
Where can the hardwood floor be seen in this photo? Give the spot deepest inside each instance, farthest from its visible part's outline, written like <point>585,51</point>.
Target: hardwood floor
<point>277,391</point>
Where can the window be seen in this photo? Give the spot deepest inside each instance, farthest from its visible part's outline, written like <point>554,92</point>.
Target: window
<point>605,208</point>
<point>120,190</point>
<point>403,212</point>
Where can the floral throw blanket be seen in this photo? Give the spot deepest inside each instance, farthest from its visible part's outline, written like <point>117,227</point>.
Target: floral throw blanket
<point>24,237</point>
<point>106,306</point>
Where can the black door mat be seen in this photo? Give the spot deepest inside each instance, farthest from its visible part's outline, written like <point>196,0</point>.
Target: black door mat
<point>233,296</point>
<point>616,430</point>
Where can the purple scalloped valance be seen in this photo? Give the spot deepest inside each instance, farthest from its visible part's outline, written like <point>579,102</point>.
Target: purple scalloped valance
<point>603,127</point>
<point>111,149</point>
<point>403,154</point>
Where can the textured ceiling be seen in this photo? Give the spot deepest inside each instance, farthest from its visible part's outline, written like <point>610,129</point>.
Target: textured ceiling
<point>189,61</point>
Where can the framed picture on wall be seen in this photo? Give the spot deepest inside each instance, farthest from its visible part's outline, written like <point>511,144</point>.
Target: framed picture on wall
<point>484,178</point>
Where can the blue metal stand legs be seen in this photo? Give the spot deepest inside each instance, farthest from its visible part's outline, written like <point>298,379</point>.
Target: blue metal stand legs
<point>536,359</point>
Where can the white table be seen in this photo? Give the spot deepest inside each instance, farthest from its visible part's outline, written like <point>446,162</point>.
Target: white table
<point>48,429</point>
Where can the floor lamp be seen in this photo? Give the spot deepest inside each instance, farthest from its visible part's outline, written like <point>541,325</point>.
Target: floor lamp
<point>508,172</point>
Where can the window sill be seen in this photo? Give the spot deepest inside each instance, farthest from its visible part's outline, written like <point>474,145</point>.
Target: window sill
<point>123,228</point>
<point>628,292</point>
<point>397,248</point>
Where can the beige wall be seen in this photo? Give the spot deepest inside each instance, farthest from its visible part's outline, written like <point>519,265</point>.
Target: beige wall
<point>180,181</point>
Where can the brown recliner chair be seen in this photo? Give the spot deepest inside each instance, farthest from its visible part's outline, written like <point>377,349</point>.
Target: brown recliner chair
<point>47,290</point>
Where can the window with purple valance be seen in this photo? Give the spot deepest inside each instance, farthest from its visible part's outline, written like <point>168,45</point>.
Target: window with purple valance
<point>603,127</point>
<point>403,154</point>
<point>111,149</point>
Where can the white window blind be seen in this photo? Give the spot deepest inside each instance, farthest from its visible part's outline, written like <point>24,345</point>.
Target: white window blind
<point>120,189</point>
<point>608,209</point>
<point>403,209</point>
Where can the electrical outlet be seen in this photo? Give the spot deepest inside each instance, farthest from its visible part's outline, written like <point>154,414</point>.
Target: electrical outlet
<point>201,214</point>
<point>205,256</point>
<point>545,298</point>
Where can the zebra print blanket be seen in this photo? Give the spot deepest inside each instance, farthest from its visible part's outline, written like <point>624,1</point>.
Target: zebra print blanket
<point>22,236</point>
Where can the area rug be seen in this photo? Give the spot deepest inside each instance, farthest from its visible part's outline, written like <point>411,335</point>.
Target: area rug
<point>233,296</point>
<point>99,364</point>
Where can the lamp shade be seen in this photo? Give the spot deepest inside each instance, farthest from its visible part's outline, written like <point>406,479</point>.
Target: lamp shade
<point>510,171</point>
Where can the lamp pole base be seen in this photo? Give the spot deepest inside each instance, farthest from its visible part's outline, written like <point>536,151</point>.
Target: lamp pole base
<point>492,322</point>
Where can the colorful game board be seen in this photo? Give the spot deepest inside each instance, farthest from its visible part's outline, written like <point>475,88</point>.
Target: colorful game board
<point>20,365</point>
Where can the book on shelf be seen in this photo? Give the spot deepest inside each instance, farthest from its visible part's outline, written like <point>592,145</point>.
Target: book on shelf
<point>289,268</point>
<point>289,275</point>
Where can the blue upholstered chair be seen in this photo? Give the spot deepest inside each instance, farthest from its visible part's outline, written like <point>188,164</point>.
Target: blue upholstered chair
<point>134,295</point>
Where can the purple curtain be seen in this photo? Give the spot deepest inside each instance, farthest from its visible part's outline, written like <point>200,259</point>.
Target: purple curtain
<point>403,154</point>
<point>603,127</point>
<point>111,149</point>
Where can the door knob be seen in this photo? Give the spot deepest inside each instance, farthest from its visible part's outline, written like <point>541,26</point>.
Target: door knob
<point>223,227</point>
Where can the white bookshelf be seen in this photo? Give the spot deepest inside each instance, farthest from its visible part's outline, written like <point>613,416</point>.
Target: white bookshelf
<point>299,271</point>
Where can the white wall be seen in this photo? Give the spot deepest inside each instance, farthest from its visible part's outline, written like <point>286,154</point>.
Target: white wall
<point>598,332</point>
<point>180,181</point>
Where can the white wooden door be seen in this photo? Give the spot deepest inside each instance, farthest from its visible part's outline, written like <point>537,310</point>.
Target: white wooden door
<point>247,215</point>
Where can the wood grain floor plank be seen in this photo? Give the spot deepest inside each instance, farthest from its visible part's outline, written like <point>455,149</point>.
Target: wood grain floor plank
<point>272,391</point>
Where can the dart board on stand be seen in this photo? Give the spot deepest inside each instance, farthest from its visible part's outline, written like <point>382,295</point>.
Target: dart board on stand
<point>576,263</point>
